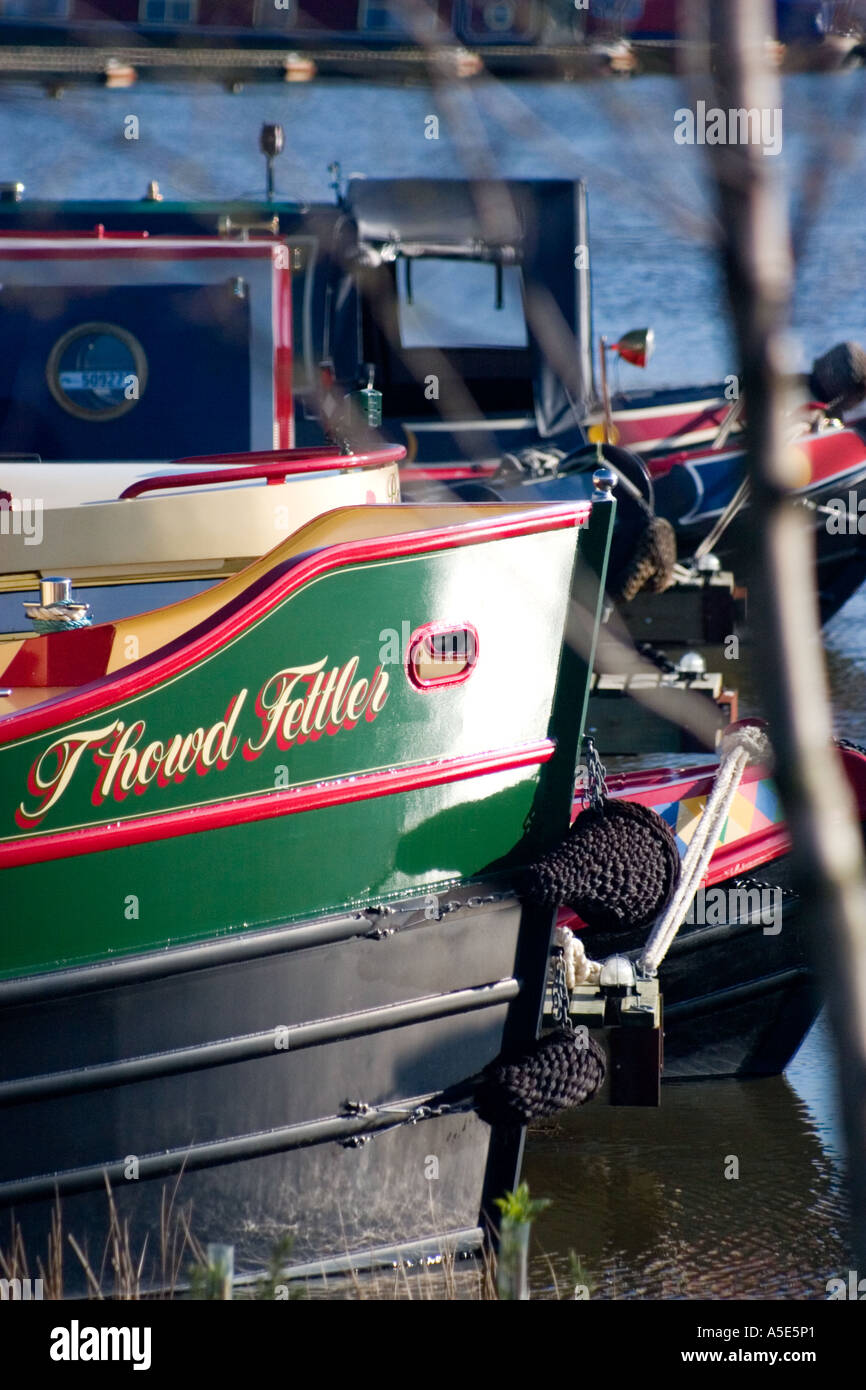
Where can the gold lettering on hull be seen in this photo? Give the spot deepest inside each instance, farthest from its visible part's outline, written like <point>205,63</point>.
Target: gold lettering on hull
<point>296,703</point>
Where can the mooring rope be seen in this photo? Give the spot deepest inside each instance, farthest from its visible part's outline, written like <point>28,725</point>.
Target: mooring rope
<point>579,969</point>
<point>740,746</point>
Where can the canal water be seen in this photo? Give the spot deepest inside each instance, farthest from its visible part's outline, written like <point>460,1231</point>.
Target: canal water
<point>641,1204</point>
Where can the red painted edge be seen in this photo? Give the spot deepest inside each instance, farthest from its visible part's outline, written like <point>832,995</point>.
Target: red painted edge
<point>265,806</point>
<point>278,464</point>
<point>281,311</point>
<point>831,455</point>
<point>445,474</point>
<point>244,456</point>
<point>157,668</point>
<point>748,853</point>
<point>144,250</point>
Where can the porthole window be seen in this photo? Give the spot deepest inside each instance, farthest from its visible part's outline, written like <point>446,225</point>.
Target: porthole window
<point>97,371</point>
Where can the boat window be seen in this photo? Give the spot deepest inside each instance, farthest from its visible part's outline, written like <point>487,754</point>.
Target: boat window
<point>459,304</point>
<point>97,371</point>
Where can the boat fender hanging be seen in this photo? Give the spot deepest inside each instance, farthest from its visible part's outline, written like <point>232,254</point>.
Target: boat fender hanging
<point>559,1071</point>
<point>838,377</point>
<point>617,868</point>
<point>651,563</point>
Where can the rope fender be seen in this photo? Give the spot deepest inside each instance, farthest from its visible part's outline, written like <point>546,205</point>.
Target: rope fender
<point>651,566</point>
<point>617,868</point>
<point>563,1069</point>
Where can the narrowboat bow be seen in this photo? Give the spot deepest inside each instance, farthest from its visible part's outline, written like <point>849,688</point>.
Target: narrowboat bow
<point>258,859</point>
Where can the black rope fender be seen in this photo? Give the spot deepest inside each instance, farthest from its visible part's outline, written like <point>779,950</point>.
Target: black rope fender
<point>561,1070</point>
<point>617,868</point>
<point>651,564</point>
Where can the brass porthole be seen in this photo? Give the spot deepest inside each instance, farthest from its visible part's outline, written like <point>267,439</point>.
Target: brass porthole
<point>97,371</point>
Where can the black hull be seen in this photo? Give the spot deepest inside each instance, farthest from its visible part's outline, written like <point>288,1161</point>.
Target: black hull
<point>738,999</point>
<point>151,1066</point>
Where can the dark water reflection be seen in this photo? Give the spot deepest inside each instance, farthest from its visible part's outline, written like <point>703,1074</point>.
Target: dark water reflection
<point>642,1198</point>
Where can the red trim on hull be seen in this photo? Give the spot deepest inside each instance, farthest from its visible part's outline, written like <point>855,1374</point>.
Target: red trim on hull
<point>146,250</point>
<point>746,854</point>
<point>194,820</point>
<point>267,465</point>
<point>165,664</point>
<point>284,414</point>
<point>839,452</point>
<point>656,430</point>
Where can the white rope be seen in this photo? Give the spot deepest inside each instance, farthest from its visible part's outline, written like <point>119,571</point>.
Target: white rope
<point>579,969</point>
<point>739,748</point>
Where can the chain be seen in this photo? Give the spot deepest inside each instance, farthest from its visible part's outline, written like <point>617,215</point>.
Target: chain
<point>595,791</point>
<point>560,1006</point>
<point>425,1111</point>
<point>849,743</point>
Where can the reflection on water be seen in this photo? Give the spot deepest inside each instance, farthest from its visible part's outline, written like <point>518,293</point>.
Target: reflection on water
<point>642,1198</point>
<point>845,643</point>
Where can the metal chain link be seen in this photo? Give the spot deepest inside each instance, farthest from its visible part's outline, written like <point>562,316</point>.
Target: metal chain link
<point>560,1005</point>
<point>595,791</point>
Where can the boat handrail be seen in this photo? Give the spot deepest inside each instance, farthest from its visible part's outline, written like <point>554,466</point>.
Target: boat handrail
<point>274,466</point>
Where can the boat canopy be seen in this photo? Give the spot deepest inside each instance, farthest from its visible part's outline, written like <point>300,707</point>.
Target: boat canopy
<point>531,326</point>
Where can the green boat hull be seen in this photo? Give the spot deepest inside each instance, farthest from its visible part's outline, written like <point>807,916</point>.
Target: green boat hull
<point>242,958</point>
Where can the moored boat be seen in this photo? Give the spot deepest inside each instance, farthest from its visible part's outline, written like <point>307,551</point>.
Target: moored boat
<point>258,883</point>
<point>739,982</point>
<point>431,289</point>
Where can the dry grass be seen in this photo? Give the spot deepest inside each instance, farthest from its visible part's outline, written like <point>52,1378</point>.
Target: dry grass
<point>120,1269</point>
<point>182,1270</point>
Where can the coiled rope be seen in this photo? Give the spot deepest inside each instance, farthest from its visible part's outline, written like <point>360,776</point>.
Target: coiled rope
<point>618,866</point>
<point>579,968</point>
